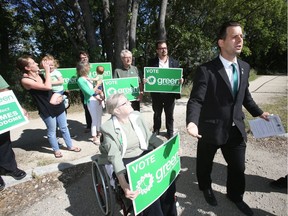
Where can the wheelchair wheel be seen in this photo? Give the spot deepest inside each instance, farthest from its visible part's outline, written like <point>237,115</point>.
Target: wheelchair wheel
<point>103,189</point>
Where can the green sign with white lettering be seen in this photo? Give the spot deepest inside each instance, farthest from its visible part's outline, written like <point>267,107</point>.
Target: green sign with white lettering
<point>128,86</point>
<point>153,173</point>
<point>11,113</point>
<point>70,77</point>
<point>166,80</point>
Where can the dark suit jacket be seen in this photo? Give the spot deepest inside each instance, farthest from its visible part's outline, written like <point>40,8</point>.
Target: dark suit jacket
<point>211,105</point>
<point>172,64</point>
<point>155,62</point>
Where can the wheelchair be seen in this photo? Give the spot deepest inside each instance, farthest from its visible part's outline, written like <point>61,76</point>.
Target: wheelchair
<point>107,195</point>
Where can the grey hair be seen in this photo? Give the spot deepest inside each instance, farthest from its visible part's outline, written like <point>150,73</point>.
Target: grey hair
<point>125,51</point>
<point>112,102</point>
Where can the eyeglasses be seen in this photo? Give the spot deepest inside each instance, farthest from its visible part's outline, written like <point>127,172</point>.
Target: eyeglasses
<point>162,48</point>
<point>127,102</point>
<point>127,57</point>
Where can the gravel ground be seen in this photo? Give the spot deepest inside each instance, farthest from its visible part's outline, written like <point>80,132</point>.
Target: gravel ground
<point>70,191</point>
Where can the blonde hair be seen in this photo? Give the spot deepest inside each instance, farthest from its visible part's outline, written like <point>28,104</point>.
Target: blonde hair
<point>50,58</point>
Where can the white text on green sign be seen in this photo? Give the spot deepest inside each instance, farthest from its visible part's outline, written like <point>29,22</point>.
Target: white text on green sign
<point>166,80</point>
<point>127,86</point>
<point>11,114</point>
<point>153,173</point>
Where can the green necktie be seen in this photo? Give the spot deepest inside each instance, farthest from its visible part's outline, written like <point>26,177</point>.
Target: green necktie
<point>235,80</point>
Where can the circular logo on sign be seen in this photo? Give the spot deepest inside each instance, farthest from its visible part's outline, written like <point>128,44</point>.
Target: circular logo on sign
<point>151,80</point>
<point>145,183</point>
<point>111,91</point>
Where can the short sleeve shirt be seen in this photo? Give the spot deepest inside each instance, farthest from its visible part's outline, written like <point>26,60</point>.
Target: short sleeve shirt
<point>54,77</point>
<point>130,72</point>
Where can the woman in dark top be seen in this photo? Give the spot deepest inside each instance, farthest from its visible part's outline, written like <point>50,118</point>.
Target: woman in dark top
<point>40,89</point>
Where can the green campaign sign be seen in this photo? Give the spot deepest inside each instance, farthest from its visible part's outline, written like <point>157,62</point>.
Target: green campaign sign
<point>166,80</point>
<point>153,173</point>
<point>11,113</point>
<point>128,86</point>
<point>70,77</point>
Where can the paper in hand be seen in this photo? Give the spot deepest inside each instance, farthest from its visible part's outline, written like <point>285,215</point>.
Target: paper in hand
<point>262,128</point>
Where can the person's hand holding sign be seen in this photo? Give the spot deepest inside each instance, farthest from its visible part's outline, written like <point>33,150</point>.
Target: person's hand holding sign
<point>125,186</point>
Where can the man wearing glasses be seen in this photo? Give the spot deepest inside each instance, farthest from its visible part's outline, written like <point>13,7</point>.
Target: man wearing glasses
<point>164,101</point>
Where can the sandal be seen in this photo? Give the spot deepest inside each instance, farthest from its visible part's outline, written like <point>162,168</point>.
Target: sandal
<point>96,141</point>
<point>58,154</point>
<point>75,149</point>
<point>91,139</point>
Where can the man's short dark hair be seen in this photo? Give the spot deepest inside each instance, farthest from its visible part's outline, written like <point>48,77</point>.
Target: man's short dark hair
<point>223,29</point>
<point>160,42</point>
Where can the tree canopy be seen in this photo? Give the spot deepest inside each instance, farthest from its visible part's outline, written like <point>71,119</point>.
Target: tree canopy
<point>103,28</point>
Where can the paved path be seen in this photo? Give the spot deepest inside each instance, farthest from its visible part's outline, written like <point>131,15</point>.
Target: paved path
<point>266,88</point>
<point>34,154</point>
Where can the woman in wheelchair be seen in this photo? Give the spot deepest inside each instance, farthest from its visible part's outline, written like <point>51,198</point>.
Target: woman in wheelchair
<point>126,137</point>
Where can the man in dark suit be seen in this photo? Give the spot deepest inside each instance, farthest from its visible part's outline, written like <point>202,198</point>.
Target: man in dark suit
<point>164,101</point>
<point>215,116</point>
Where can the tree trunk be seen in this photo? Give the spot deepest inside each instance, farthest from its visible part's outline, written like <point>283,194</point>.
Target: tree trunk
<point>133,25</point>
<point>80,34</point>
<point>107,36</point>
<point>90,29</point>
<point>61,22</point>
<point>162,30</point>
<point>4,44</point>
<point>120,21</point>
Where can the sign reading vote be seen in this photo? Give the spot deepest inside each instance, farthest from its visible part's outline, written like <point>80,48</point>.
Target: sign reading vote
<point>166,80</point>
<point>70,76</point>
<point>153,173</point>
<point>11,113</point>
<point>128,86</point>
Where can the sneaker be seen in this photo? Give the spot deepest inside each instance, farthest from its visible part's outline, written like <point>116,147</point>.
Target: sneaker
<point>17,174</point>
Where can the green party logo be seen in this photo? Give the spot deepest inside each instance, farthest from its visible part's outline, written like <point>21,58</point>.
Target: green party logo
<point>122,90</point>
<point>145,183</point>
<point>151,80</point>
<point>127,86</point>
<point>166,80</point>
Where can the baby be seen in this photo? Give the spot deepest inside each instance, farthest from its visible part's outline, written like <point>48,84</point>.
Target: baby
<point>99,82</point>
<point>56,80</point>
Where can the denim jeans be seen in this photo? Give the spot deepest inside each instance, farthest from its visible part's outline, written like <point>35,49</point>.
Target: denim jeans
<point>51,124</point>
